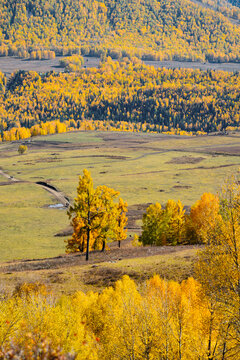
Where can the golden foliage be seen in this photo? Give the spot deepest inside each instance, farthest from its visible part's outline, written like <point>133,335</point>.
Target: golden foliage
<point>154,30</point>
<point>204,217</point>
<point>95,216</point>
<point>120,96</point>
<point>164,226</point>
<point>165,320</point>
<point>22,149</point>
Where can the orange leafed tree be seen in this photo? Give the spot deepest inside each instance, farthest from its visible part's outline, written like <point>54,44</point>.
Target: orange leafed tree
<point>203,217</point>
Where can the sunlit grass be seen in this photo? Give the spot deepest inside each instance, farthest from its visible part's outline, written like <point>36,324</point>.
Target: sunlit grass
<point>140,173</point>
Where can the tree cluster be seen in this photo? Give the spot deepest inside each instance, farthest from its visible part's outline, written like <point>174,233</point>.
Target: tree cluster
<point>229,8</point>
<point>96,217</point>
<point>163,320</point>
<point>72,63</point>
<point>156,99</point>
<point>172,226</point>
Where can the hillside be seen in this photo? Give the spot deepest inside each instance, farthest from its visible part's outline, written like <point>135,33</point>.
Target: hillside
<point>229,9</point>
<point>103,269</point>
<point>148,29</point>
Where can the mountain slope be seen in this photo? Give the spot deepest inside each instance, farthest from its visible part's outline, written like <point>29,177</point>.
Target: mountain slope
<point>157,29</point>
<point>231,12</point>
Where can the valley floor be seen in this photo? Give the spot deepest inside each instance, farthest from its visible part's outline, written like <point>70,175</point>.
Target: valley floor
<point>10,64</point>
<point>145,168</point>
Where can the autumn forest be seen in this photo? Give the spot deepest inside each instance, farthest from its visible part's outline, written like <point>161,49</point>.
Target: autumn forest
<point>153,29</point>
<point>119,181</point>
<point>119,96</point>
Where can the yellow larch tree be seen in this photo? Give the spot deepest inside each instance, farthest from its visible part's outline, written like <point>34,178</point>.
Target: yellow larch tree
<point>218,266</point>
<point>122,220</point>
<point>163,226</point>
<point>94,216</point>
<point>204,216</point>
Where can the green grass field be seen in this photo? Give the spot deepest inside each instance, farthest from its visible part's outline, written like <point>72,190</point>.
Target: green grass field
<point>145,168</point>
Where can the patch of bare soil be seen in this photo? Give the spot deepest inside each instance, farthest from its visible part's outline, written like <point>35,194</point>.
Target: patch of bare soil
<point>5,183</point>
<point>211,167</point>
<point>47,160</point>
<point>181,187</point>
<point>112,256</point>
<point>106,276</point>
<point>55,145</point>
<point>185,160</point>
<point>63,199</point>
<point>114,157</point>
<point>143,173</point>
<point>233,150</point>
<point>39,160</point>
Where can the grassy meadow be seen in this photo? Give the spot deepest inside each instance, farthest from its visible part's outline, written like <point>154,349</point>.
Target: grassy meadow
<point>145,168</point>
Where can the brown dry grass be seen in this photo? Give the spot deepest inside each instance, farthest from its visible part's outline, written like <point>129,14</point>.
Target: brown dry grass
<point>69,273</point>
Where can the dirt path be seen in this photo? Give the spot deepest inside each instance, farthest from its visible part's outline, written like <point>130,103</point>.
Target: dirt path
<point>11,178</point>
<point>59,195</point>
<point>63,199</point>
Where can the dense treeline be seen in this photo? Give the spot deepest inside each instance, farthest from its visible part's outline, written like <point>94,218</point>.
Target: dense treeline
<point>156,29</point>
<point>146,98</point>
<point>166,320</point>
<point>162,320</point>
<point>171,225</point>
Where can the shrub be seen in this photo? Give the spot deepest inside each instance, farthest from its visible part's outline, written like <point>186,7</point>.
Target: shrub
<point>22,149</point>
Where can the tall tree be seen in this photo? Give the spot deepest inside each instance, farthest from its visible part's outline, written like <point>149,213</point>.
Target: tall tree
<point>175,218</point>
<point>218,268</point>
<point>122,220</point>
<point>94,216</point>
<point>203,218</point>
<point>152,226</point>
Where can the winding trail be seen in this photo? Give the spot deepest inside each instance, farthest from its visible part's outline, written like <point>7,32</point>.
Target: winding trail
<point>59,195</point>
<point>11,178</point>
<point>63,199</point>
